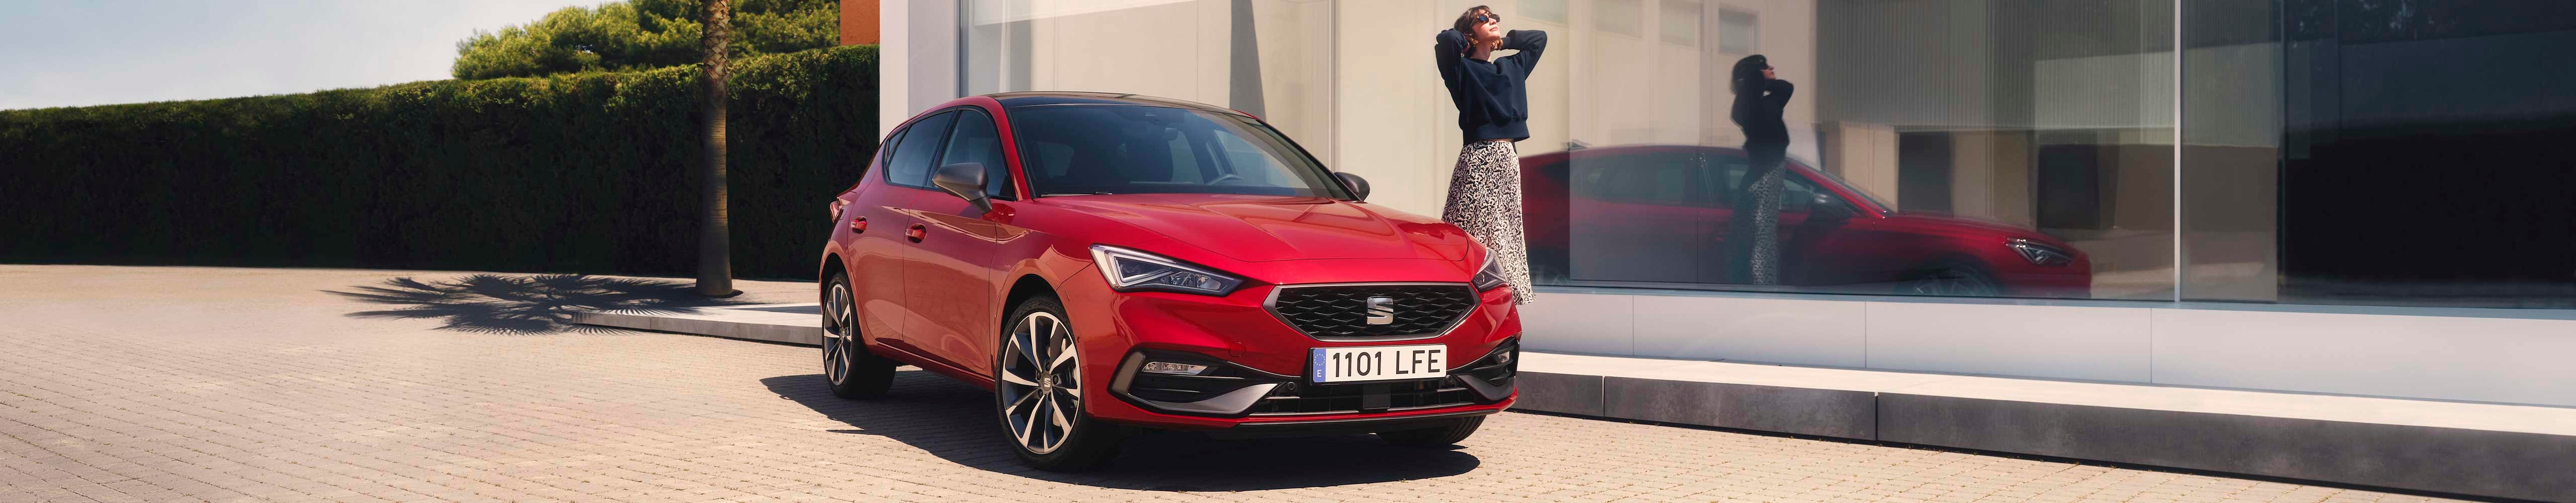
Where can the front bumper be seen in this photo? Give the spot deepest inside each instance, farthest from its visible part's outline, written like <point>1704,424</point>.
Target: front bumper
<point>1227,390</point>
<point>1257,362</point>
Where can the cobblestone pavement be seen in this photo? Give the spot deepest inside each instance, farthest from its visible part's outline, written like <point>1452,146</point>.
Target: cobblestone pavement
<point>186,384</point>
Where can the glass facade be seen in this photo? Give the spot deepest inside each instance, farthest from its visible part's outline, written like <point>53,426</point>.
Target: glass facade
<point>2372,152</point>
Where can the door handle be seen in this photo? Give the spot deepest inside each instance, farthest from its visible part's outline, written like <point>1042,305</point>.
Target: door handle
<point>858,225</point>
<point>915,233</point>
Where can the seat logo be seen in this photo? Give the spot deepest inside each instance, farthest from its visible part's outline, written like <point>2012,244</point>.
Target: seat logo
<point>1381,311</point>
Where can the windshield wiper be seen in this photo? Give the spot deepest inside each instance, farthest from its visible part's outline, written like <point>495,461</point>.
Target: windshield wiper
<point>1053,194</point>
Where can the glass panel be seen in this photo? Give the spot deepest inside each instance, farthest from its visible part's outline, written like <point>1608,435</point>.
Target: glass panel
<point>2231,150</point>
<point>1738,32</point>
<point>1264,57</point>
<point>974,141</point>
<point>1925,140</point>
<point>1125,149</point>
<point>920,148</point>
<point>1679,23</point>
<point>2422,153</point>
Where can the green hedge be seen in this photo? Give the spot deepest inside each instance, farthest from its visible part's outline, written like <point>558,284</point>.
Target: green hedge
<point>584,173</point>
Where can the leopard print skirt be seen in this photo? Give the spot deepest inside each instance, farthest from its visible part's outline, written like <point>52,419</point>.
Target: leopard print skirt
<point>1485,200</point>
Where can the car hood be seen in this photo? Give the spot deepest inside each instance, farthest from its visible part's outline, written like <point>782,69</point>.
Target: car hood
<point>1257,228</point>
<point>1934,221</point>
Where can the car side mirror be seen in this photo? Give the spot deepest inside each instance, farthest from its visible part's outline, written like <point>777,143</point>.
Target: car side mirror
<point>964,180</point>
<point>1828,206</point>
<point>1358,186</point>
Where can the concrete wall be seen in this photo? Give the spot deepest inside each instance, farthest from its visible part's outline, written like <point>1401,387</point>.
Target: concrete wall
<point>2488,355</point>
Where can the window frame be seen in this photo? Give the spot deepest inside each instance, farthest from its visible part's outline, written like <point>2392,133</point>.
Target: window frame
<point>937,150</point>
<point>1000,153</point>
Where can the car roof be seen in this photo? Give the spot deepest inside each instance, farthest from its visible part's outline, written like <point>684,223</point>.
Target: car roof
<point>1036,98</point>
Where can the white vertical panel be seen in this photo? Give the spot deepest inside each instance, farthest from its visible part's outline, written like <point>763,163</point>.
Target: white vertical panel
<point>1580,323</point>
<point>1797,332</point>
<point>2442,357</point>
<point>2061,342</point>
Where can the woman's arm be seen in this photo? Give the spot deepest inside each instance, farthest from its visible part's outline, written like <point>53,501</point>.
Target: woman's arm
<point>1529,42</point>
<point>1778,91</point>
<point>1446,49</point>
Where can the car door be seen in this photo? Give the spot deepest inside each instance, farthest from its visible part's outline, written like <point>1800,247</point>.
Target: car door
<point>1833,243</point>
<point>1642,217</point>
<point>879,256</point>
<point>953,269</point>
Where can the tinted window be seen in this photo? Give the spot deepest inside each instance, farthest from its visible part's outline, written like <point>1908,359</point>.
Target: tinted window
<point>975,141</point>
<point>1657,179</point>
<point>911,164</point>
<point>1796,194</point>
<point>1133,149</point>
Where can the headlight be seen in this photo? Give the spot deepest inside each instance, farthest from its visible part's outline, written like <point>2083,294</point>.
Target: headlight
<point>2039,253</point>
<point>1131,270</point>
<point>1491,276</point>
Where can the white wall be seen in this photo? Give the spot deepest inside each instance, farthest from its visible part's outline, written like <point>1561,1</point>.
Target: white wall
<point>2447,355</point>
<point>917,59</point>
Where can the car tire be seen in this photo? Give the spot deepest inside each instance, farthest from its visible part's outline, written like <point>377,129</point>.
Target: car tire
<point>1951,279</point>
<point>1039,393</point>
<point>848,366</point>
<point>1449,433</point>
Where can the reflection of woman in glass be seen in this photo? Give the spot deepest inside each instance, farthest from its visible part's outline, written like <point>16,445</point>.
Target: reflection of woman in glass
<point>1493,111</point>
<point>1753,234</point>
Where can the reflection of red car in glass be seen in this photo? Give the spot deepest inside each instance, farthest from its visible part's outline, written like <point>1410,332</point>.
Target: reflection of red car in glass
<point>1660,214</point>
<point>1105,262</point>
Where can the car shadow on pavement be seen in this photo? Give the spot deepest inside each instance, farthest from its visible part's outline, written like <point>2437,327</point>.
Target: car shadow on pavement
<point>953,421</point>
<point>524,303</point>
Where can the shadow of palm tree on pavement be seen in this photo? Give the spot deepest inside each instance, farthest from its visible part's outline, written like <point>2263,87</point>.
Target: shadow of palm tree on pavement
<point>524,304</point>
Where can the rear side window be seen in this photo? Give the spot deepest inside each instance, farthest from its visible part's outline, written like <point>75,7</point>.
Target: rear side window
<point>976,141</point>
<point>910,166</point>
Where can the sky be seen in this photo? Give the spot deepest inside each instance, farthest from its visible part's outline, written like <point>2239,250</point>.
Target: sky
<point>57,53</point>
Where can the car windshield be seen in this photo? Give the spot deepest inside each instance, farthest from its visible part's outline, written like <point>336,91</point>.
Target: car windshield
<point>1135,149</point>
<point>1855,189</point>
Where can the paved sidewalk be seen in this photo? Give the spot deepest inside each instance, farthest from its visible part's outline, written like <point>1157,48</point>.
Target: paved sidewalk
<point>212,384</point>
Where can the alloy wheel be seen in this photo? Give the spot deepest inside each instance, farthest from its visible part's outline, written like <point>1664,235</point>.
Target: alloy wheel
<point>1953,281</point>
<point>838,339</point>
<point>1041,383</point>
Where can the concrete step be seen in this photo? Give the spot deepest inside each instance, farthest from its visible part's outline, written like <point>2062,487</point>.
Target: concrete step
<point>2478,449</point>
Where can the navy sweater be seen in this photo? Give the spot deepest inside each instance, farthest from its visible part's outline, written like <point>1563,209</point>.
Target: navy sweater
<point>1758,112</point>
<point>1492,102</point>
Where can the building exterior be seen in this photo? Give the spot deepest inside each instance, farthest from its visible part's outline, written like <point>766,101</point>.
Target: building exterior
<point>2327,196</point>
<point>858,22</point>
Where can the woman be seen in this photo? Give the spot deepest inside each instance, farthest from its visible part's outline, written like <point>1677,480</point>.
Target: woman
<point>1754,237</point>
<point>1493,112</point>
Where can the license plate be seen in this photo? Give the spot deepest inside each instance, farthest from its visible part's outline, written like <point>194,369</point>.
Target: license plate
<point>1380,363</point>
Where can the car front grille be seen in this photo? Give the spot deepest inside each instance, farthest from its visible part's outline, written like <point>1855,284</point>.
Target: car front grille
<point>1331,312</point>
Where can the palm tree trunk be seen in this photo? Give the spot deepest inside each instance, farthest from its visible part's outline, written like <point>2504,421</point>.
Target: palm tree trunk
<point>715,254</point>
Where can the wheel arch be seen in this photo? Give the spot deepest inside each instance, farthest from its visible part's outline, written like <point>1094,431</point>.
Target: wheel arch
<point>1027,286</point>
<point>831,265</point>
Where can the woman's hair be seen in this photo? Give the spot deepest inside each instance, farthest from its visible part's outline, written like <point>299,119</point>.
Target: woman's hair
<point>1466,24</point>
<point>1748,73</point>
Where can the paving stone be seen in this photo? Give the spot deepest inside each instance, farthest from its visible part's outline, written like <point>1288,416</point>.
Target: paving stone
<point>217,384</point>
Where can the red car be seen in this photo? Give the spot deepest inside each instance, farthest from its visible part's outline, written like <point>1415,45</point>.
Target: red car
<point>1660,214</point>
<point>1106,261</point>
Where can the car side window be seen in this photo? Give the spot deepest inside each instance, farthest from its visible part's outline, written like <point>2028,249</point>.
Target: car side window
<point>1657,179</point>
<point>1796,194</point>
<point>976,141</point>
<point>910,166</point>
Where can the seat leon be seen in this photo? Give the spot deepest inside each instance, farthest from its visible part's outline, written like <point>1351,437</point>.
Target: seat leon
<point>1116,263</point>
<point>1662,213</point>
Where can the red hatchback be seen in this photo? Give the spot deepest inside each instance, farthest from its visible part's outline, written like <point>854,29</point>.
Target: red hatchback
<point>1104,262</point>
<point>1660,214</point>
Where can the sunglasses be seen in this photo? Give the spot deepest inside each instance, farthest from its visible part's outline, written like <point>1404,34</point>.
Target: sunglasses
<point>1489,18</point>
